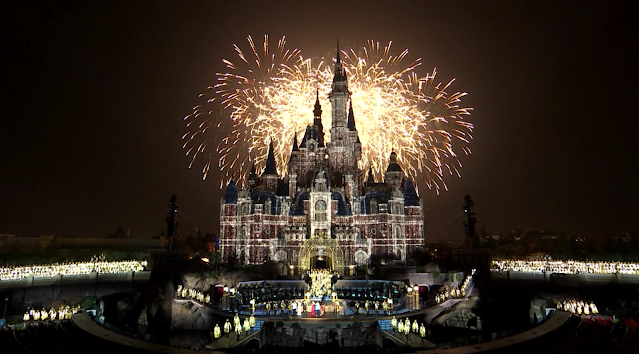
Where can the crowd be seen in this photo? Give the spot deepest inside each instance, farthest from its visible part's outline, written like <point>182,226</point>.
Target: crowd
<point>238,327</point>
<point>184,292</point>
<point>568,267</point>
<point>71,268</point>
<point>456,293</point>
<point>64,312</point>
<point>578,307</point>
<point>406,327</point>
<point>265,292</point>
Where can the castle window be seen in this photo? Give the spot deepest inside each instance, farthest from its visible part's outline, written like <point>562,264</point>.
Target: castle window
<point>320,205</point>
<point>320,210</point>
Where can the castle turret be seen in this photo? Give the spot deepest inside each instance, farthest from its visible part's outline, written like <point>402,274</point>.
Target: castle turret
<point>317,121</point>
<point>270,177</point>
<point>394,175</point>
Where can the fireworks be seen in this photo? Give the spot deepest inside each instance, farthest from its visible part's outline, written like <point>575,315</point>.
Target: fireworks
<point>269,98</point>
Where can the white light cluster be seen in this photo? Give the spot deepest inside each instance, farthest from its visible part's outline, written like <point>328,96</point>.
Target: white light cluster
<point>457,293</point>
<point>77,268</point>
<point>578,307</point>
<point>184,292</point>
<point>568,267</point>
<point>64,312</point>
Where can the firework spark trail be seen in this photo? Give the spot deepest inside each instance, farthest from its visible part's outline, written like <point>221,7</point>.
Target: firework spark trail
<point>269,97</point>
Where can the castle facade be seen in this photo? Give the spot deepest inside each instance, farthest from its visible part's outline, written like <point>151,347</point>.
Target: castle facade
<point>326,213</point>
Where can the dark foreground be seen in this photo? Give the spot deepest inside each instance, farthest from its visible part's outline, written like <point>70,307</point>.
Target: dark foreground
<point>575,337</point>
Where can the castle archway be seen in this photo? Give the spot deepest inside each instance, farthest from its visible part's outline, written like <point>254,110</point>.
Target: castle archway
<point>321,252</point>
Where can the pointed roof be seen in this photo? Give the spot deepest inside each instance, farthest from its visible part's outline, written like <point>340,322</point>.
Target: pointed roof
<point>351,117</point>
<point>252,172</point>
<point>410,194</point>
<point>317,112</point>
<point>230,196</point>
<point>370,177</point>
<point>295,147</point>
<point>307,136</point>
<point>270,161</point>
<point>338,70</point>
<point>119,233</point>
<point>393,166</point>
<point>338,63</point>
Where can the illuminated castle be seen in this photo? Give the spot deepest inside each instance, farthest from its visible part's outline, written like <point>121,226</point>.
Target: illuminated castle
<point>326,213</point>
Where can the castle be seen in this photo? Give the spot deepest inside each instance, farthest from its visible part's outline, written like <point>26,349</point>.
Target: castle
<point>326,213</point>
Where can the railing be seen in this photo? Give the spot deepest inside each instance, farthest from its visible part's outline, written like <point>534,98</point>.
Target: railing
<point>57,279</point>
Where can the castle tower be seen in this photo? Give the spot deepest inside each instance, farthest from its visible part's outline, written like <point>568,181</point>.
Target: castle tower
<point>324,192</point>
<point>269,177</point>
<point>339,95</point>
<point>394,175</point>
<point>317,121</point>
<point>340,148</point>
<point>292,171</point>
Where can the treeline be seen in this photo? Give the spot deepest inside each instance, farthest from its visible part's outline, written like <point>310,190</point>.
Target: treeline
<point>519,243</point>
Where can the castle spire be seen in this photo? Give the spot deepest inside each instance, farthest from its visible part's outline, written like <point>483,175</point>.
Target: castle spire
<point>270,161</point>
<point>351,117</point>
<point>295,147</point>
<point>337,58</point>
<point>370,179</point>
<point>317,121</point>
<point>339,73</point>
<point>317,112</point>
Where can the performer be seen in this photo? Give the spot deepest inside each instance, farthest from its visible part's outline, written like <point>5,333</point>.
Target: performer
<point>247,325</point>
<point>216,331</point>
<point>227,328</point>
<point>422,331</point>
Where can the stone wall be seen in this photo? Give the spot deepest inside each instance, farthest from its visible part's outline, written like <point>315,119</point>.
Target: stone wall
<point>31,291</point>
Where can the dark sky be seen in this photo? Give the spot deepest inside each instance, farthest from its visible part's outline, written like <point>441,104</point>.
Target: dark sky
<point>93,95</point>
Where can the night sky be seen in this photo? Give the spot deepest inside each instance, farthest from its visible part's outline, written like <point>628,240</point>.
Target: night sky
<point>94,92</point>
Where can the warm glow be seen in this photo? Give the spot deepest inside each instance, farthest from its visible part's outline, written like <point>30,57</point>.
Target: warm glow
<point>269,96</point>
